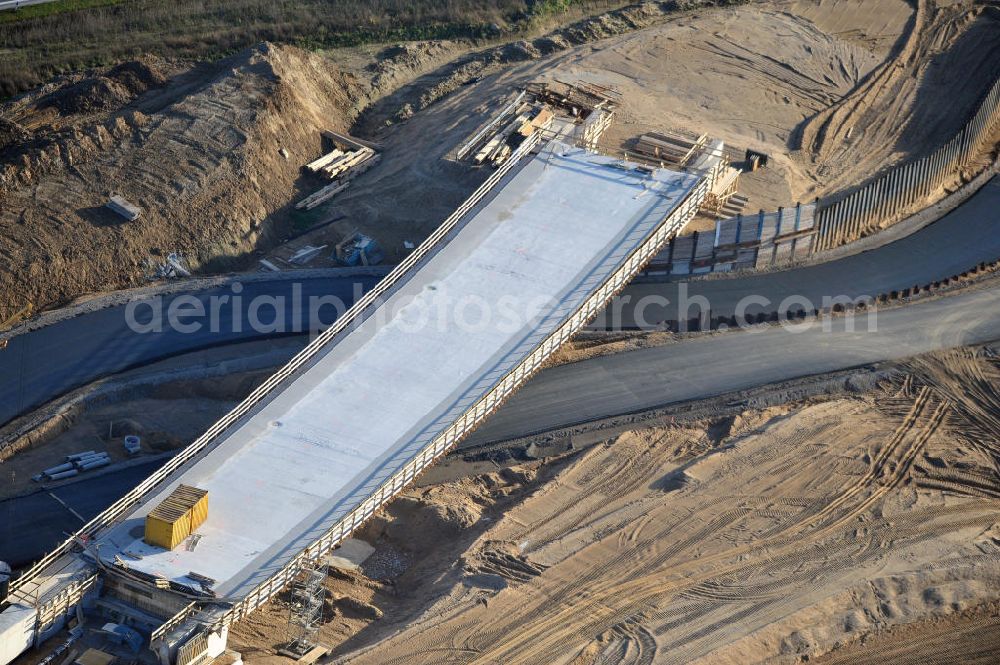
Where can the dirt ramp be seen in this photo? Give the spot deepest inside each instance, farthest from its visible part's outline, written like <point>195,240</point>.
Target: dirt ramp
<point>201,155</point>
<point>914,102</point>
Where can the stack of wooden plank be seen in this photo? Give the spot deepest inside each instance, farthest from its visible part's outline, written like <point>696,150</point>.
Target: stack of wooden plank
<point>338,161</point>
<point>673,147</point>
<point>321,196</point>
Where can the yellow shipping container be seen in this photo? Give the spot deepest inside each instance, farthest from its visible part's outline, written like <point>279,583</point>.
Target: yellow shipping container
<point>177,517</point>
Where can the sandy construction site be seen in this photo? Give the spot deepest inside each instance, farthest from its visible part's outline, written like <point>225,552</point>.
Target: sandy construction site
<point>212,153</point>
<point>767,535</point>
<point>845,518</point>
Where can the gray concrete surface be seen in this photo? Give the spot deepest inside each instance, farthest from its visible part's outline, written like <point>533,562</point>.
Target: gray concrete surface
<point>614,385</point>
<point>70,353</point>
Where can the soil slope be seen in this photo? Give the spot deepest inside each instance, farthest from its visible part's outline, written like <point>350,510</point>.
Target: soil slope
<point>200,155</point>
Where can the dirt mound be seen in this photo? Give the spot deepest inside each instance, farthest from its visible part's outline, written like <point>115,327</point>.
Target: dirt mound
<point>201,155</point>
<point>916,101</point>
<point>11,134</point>
<point>95,94</point>
<point>138,76</point>
<point>111,90</point>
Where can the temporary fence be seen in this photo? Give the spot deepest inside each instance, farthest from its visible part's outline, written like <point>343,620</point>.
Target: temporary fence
<point>745,242</point>
<point>893,194</point>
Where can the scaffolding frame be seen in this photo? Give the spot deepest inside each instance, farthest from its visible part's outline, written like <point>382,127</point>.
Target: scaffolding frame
<point>305,608</point>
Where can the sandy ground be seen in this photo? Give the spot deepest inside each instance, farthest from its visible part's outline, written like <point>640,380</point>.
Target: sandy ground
<point>774,535</point>
<point>819,84</point>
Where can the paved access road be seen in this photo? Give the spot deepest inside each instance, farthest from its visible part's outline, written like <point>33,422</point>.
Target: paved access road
<point>32,525</point>
<point>41,365</point>
<point>613,385</point>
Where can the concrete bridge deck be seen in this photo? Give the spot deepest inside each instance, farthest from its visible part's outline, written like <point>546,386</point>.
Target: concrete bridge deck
<point>516,269</point>
<point>415,366</point>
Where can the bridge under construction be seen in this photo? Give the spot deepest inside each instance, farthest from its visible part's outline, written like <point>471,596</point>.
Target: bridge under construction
<point>419,362</point>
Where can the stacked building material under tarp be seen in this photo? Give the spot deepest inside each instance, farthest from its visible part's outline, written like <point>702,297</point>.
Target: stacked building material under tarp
<point>176,517</point>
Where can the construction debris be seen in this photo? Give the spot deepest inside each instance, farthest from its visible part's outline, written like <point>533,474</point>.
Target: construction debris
<point>127,210</point>
<point>306,254</point>
<point>321,196</point>
<point>268,266</point>
<point>358,249</point>
<point>172,268</point>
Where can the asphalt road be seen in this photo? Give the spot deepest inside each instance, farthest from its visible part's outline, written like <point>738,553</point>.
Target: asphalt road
<point>955,243</point>
<point>39,366</point>
<point>613,385</point>
<point>32,525</point>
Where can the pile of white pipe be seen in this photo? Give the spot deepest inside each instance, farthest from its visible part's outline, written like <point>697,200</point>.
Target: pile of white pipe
<point>74,464</point>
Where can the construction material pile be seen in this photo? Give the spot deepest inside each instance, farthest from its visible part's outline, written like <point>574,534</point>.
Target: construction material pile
<point>583,111</point>
<point>73,465</point>
<point>676,148</point>
<point>347,160</point>
<point>527,120</point>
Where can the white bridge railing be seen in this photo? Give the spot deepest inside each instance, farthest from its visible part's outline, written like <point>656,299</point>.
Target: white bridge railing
<point>120,507</point>
<point>489,403</point>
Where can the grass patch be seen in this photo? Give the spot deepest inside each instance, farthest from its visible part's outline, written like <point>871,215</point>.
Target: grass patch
<point>51,9</point>
<point>72,35</point>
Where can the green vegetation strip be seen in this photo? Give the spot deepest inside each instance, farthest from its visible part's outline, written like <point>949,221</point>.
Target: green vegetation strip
<point>51,9</point>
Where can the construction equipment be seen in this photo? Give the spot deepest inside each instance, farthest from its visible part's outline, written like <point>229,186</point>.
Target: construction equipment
<point>21,315</point>
<point>307,595</point>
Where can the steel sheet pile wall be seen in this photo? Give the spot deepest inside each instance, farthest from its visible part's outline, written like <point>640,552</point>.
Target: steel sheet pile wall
<point>742,243</point>
<point>893,195</point>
